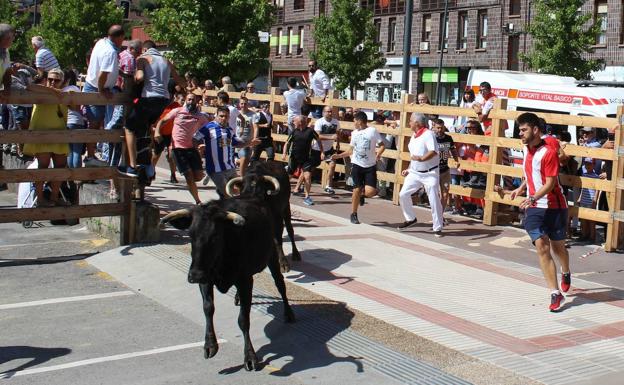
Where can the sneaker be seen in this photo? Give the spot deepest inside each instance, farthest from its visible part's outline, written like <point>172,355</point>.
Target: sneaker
<point>362,201</point>
<point>354,219</point>
<point>566,279</point>
<point>308,201</point>
<point>438,234</point>
<point>329,190</point>
<point>407,224</point>
<point>94,162</point>
<point>173,179</point>
<point>556,300</point>
<point>204,181</point>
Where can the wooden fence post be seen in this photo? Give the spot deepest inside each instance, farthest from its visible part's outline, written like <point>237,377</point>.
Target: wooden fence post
<point>274,107</point>
<point>127,222</point>
<point>401,145</point>
<point>496,157</point>
<point>614,199</point>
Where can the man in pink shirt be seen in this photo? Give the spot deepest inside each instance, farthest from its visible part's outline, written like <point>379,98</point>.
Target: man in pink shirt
<point>186,121</point>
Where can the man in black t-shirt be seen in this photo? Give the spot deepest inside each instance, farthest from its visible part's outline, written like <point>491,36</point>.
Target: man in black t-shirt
<point>263,121</point>
<point>447,149</point>
<point>300,143</point>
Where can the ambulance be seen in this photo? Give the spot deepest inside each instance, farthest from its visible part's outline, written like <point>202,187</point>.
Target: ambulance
<point>548,93</point>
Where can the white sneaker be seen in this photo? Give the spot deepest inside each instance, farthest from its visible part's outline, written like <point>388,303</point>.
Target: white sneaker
<point>94,162</point>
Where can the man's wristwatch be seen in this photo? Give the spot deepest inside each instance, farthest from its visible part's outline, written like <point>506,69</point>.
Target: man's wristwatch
<point>532,199</point>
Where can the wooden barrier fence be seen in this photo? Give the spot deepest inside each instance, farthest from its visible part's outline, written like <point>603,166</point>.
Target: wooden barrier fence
<point>497,142</point>
<point>124,208</point>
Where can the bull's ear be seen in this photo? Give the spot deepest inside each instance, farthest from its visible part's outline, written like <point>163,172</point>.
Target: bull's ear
<point>180,219</point>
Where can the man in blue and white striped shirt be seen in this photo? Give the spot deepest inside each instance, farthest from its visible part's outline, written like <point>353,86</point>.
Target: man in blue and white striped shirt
<point>219,141</point>
<point>44,58</point>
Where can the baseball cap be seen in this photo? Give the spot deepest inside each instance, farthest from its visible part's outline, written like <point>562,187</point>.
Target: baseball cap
<point>588,129</point>
<point>588,160</point>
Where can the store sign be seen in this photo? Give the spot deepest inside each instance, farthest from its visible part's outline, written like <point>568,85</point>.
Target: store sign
<point>449,75</point>
<point>384,76</point>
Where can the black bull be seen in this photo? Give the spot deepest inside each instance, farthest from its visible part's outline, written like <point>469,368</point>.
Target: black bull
<point>268,181</point>
<point>231,240</point>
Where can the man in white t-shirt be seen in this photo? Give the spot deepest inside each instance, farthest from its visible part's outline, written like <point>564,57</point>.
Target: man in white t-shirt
<point>295,99</point>
<point>319,86</point>
<point>326,128</point>
<point>364,156</point>
<point>423,172</point>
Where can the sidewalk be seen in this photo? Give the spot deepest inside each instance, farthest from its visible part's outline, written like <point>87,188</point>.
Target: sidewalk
<point>477,290</point>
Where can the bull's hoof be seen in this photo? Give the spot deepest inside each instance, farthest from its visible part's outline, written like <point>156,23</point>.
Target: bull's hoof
<point>296,256</point>
<point>251,362</point>
<point>284,266</point>
<point>210,351</point>
<point>289,316</point>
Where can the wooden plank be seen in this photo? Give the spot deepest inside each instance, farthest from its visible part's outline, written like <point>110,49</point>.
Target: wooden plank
<point>467,191</point>
<point>237,95</point>
<point>441,110</point>
<point>54,213</point>
<point>361,104</point>
<point>57,174</point>
<point>471,139</point>
<point>509,143</point>
<point>62,136</point>
<point>67,98</point>
<point>588,152</point>
<point>614,201</point>
<point>495,158</point>
<point>590,183</point>
<point>470,165</point>
<point>568,120</point>
<point>515,172</point>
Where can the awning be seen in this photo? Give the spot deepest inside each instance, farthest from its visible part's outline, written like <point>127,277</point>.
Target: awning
<point>449,75</point>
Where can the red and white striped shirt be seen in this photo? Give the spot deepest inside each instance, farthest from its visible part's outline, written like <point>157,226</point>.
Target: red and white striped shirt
<point>541,162</point>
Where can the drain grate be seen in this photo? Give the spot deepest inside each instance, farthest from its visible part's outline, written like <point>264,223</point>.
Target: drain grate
<point>395,365</point>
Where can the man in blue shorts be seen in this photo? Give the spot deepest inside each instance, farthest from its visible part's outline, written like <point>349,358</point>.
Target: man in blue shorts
<point>546,207</point>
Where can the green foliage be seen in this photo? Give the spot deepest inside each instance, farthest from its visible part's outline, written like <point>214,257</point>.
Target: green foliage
<point>337,37</point>
<point>561,36</point>
<point>213,38</point>
<point>20,51</point>
<point>71,27</point>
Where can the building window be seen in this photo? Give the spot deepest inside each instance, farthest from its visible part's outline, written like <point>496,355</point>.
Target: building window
<point>622,26</point>
<point>384,7</point>
<point>289,41</point>
<point>462,30</point>
<point>601,19</point>
<point>280,34</point>
<point>299,5</point>
<point>482,29</point>
<point>300,46</point>
<point>391,34</point>
<point>377,23</point>
<point>322,7</point>
<point>444,27</point>
<point>426,34</point>
<point>514,7</point>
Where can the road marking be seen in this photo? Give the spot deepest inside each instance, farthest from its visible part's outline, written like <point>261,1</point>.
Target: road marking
<point>66,299</point>
<point>99,360</point>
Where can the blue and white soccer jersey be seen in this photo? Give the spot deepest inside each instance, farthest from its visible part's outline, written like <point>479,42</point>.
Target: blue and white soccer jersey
<point>219,143</point>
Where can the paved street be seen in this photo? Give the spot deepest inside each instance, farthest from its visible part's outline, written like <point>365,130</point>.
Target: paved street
<point>373,305</point>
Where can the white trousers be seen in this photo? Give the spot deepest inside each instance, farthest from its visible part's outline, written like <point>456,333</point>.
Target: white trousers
<point>431,182</point>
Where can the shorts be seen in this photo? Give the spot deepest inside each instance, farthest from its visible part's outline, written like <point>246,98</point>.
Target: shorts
<point>539,222</point>
<point>94,113</point>
<point>315,156</point>
<point>145,113</point>
<point>244,152</point>
<point>159,147</point>
<point>187,159</point>
<point>445,180</point>
<point>364,176</point>
<point>295,163</point>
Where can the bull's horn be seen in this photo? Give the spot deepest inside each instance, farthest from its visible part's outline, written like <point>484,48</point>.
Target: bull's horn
<point>231,183</point>
<point>275,182</point>
<point>237,219</point>
<point>174,215</point>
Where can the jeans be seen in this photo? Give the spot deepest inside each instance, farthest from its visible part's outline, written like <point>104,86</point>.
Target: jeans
<point>111,152</point>
<point>74,159</point>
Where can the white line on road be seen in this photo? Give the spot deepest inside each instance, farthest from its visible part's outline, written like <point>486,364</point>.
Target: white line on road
<point>66,299</point>
<point>105,359</point>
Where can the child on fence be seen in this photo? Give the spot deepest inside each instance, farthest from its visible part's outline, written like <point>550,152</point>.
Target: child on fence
<point>588,199</point>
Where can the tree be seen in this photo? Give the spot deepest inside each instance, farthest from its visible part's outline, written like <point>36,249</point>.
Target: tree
<point>213,38</point>
<point>561,36</point>
<point>346,47</point>
<point>9,14</point>
<point>71,27</point>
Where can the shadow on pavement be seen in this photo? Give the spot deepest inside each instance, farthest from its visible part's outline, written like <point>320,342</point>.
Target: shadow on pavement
<point>38,355</point>
<point>579,297</point>
<point>317,265</point>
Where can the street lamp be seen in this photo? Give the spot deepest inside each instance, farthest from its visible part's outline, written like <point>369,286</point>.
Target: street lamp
<point>407,44</point>
<point>441,46</point>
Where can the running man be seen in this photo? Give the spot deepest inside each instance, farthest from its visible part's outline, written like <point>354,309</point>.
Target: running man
<point>546,207</point>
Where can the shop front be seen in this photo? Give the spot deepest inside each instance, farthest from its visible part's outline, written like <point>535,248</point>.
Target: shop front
<point>452,81</point>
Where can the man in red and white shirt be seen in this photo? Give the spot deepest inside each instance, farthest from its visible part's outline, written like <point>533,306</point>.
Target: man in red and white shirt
<point>546,207</point>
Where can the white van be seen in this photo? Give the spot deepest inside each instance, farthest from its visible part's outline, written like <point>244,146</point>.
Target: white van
<point>548,93</point>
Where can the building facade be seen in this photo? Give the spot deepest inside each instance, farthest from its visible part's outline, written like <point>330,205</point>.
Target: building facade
<point>479,34</point>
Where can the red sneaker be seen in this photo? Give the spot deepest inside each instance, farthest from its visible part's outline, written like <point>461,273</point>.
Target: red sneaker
<point>566,278</point>
<point>556,300</point>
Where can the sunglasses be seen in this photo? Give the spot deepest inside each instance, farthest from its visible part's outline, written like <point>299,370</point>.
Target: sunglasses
<point>222,116</point>
<point>54,80</point>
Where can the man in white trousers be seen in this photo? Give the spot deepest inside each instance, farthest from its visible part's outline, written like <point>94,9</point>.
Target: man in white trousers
<point>423,171</point>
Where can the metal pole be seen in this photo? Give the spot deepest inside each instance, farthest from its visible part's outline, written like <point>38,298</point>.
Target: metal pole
<point>35,15</point>
<point>441,46</point>
<point>407,43</point>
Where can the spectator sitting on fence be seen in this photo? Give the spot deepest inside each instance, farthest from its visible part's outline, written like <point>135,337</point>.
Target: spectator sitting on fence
<point>484,104</point>
<point>44,58</point>
<point>227,86</point>
<point>49,117</point>
<point>588,199</point>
